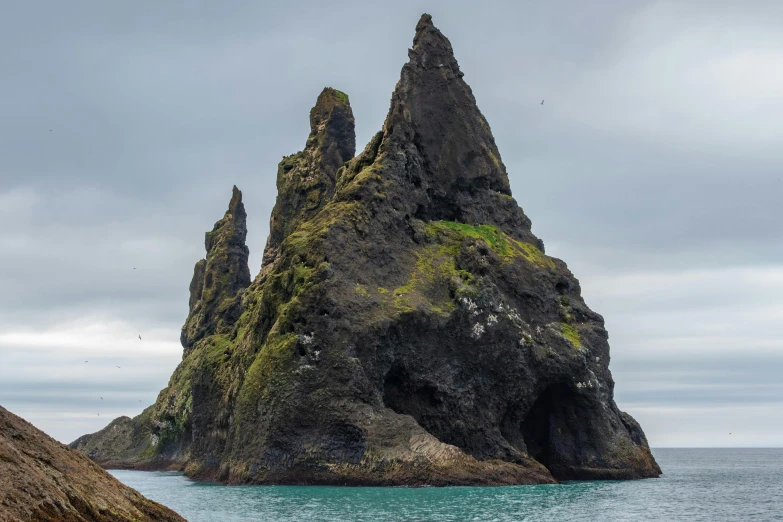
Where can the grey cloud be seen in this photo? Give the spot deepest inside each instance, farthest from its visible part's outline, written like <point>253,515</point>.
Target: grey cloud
<point>670,220</point>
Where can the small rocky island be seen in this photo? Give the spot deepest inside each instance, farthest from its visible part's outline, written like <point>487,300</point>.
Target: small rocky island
<point>42,480</point>
<point>406,327</point>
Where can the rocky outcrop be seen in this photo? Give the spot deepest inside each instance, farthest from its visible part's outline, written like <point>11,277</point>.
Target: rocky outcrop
<point>406,327</point>
<point>306,180</point>
<point>218,281</point>
<point>43,480</point>
<point>160,437</point>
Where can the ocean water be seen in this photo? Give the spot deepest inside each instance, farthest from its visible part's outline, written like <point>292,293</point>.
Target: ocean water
<point>697,484</point>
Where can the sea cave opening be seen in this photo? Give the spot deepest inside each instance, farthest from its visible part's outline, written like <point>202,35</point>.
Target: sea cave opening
<point>402,395</point>
<point>544,421</point>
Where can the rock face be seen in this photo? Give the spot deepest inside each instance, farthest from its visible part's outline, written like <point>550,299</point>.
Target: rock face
<point>306,180</point>
<point>43,480</point>
<point>406,327</point>
<point>215,291</point>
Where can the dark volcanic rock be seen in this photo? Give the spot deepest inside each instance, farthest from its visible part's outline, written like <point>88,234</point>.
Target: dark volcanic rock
<point>43,480</point>
<point>406,326</point>
<point>434,117</point>
<point>218,280</point>
<point>306,180</point>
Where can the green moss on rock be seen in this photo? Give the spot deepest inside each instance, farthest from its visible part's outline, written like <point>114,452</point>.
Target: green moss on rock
<point>572,334</point>
<point>267,371</point>
<point>501,243</point>
<point>341,96</point>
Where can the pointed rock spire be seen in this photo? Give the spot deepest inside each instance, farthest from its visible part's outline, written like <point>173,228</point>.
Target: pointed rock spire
<point>434,116</point>
<point>306,180</point>
<point>332,132</point>
<point>431,48</point>
<point>218,280</point>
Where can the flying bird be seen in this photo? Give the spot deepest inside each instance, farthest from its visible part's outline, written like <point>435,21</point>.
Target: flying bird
<point>139,338</point>
<point>86,361</point>
<point>542,102</point>
<point>119,367</point>
<point>101,398</point>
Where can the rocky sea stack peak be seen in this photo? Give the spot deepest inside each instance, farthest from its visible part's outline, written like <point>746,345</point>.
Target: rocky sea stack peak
<point>434,118</point>
<point>218,280</point>
<point>406,327</point>
<point>306,180</point>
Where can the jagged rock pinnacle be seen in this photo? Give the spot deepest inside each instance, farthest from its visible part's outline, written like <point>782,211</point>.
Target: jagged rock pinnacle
<point>218,280</point>
<point>431,49</point>
<point>306,180</point>
<point>231,231</point>
<point>332,131</point>
<point>435,122</point>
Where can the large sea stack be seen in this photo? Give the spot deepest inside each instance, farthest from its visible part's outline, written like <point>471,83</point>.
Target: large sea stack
<point>42,480</point>
<point>406,327</point>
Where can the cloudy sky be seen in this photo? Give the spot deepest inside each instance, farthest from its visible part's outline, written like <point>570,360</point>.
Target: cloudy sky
<point>653,168</point>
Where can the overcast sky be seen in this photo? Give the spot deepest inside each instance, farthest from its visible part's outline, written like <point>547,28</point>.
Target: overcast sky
<point>653,169</point>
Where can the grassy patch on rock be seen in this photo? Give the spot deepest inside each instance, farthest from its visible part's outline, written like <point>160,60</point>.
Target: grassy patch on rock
<point>341,96</point>
<point>572,334</point>
<point>501,243</point>
<point>430,280</point>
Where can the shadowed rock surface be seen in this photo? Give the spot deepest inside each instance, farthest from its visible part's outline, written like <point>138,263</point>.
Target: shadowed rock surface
<point>406,327</point>
<point>43,480</point>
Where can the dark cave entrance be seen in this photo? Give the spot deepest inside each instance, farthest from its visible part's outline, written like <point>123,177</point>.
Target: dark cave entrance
<point>404,396</point>
<point>395,389</point>
<point>536,428</point>
<point>545,421</point>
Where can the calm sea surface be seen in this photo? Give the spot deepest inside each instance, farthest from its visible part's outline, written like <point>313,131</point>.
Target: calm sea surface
<point>698,484</point>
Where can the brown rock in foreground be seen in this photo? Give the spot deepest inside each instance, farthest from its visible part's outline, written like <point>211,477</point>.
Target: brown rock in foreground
<point>43,480</point>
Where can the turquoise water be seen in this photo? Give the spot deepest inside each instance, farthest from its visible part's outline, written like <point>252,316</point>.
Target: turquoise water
<point>698,484</point>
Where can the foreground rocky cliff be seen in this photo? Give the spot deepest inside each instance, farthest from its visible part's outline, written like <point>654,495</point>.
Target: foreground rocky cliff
<point>43,480</point>
<point>406,326</point>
